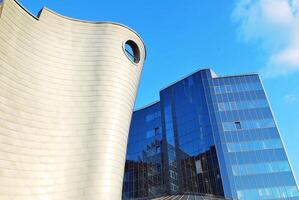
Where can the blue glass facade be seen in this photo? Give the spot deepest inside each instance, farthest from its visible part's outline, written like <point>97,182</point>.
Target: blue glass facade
<point>143,171</point>
<point>209,134</point>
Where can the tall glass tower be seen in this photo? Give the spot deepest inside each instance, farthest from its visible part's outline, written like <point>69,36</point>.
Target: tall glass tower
<point>212,135</point>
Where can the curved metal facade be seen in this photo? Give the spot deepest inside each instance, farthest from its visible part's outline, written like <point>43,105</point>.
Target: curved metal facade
<point>67,91</point>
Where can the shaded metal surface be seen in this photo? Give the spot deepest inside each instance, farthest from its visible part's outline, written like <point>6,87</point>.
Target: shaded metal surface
<point>67,92</point>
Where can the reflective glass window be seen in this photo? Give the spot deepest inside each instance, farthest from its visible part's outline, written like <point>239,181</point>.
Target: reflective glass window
<point>242,105</point>
<point>251,86</point>
<point>260,168</point>
<point>255,145</point>
<point>268,193</point>
<point>250,124</point>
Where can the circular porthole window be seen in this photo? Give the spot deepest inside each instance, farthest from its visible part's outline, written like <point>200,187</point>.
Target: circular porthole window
<point>132,51</point>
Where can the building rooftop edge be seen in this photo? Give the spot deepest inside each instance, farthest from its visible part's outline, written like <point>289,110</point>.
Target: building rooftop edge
<point>235,75</point>
<point>146,106</point>
<point>206,68</point>
<point>188,75</point>
<point>78,20</point>
<point>184,77</point>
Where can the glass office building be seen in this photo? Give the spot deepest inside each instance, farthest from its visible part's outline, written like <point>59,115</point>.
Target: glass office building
<point>212,135</point>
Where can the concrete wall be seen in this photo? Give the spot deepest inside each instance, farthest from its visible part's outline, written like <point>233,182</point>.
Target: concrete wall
<point>67,92</point>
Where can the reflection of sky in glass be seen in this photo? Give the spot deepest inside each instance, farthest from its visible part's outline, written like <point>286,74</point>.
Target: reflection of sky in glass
<point>253,151</point>
<point>219,136</point>
<point>169,125</point>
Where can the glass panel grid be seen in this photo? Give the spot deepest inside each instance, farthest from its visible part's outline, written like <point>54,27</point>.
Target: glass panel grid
<point>222,89</point>
<point>260,168</point>
<point>247,125</point>
<point>254,145</point>
<point>242,105</point>
<point>269,193</point>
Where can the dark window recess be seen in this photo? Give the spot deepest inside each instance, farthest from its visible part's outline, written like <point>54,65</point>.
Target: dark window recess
<point>132,51</point>
<point>158,149</point>
<point>238,125</point>
<point>157,131</point>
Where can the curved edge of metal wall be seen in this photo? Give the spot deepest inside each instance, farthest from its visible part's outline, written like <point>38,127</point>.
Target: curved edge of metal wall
<point>67,91</point>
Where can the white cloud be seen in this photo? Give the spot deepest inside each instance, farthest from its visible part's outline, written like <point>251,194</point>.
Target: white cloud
<point>290,98</point>
<point>274,25</point>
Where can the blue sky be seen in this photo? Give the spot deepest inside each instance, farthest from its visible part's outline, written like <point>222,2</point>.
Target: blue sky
<point>231,37</point>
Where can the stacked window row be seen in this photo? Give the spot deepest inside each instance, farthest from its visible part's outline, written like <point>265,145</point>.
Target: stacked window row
<point>153,132</point>
<point>254,145</point>
<point>242,105</point>
<point>269,193</point>
<point>260,168</point>
<point>200,173</point>
<point>152,116</point>
<point>248,125</point>
<point>222,89</point>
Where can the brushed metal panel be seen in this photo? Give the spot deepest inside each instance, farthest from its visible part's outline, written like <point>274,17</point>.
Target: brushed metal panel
<point>67,92</point>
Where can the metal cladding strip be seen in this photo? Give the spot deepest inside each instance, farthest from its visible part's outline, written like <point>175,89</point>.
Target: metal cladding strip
<point>67,90</point>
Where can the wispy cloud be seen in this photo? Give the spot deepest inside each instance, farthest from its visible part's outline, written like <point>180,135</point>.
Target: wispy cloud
<point>274,25</point>
<point>290,98</point>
